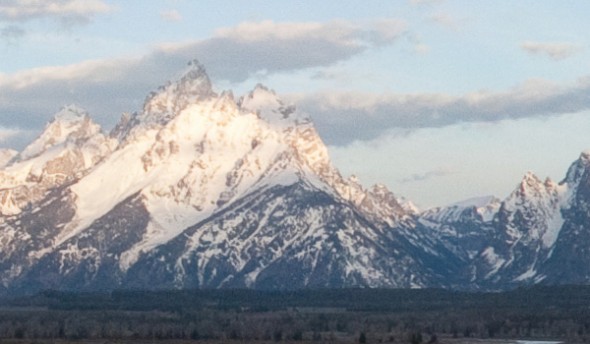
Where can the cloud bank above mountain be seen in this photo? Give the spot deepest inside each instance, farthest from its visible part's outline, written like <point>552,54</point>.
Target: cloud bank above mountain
<point>112,86</point>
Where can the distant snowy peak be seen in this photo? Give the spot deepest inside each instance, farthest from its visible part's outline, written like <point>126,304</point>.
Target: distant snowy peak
<point>70,124</point>
<point>485,208</point>
<point>477,202</point>
<point>533,190</point>
<point>381,205</point>
<point>577,169</point>
<point>532,213</point>
<point>192,87</point>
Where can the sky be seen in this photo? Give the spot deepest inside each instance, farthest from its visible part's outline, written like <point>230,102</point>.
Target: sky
<point>440,100</point>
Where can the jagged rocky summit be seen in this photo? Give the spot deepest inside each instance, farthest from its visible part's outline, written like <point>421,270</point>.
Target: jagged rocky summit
<point>202,190</point>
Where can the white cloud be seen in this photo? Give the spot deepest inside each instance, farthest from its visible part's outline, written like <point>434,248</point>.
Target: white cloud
<point>171,16</point>
<point>344,117</point>
<point>65,10</point>
<point>554,50</point>
<point>338,32</point>
<point>420,177</point>
<point>448,21</point>
<point>8,133</point>
<point>22,9</point>
<point>108,87</point>
<point>15,137</point>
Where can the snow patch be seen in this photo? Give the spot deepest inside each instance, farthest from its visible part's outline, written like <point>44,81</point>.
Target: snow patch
<point>493,259</point>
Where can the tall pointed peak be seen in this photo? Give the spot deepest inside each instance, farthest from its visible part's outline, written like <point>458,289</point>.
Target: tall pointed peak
<point>192,87</point>
<point>530,179</point>
<point>195,80</point>
<point>529,185</point>
<point>270,107</point>
<point>70,113</point>
<point>532,192</point>
<point>260,97</point>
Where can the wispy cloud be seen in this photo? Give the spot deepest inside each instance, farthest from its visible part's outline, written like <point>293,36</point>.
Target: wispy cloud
<point>555,50</point>
<point>344,117</point>
<point>64,10</point>
<point>171,16</point>
<point>419,177</point>
<point>448,21</point>
<point>15,137</point>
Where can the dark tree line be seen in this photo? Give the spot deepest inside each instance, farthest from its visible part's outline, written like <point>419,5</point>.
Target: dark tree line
<point>327,316</point>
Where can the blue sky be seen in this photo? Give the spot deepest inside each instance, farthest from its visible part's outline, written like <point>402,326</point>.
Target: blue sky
<point>440,100</point>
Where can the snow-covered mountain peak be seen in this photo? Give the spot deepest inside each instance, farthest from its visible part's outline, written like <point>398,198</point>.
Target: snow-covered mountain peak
<point>70,124</point>
<point>531,189</point>
<point>530,180</point>
<point>380,189</point>
<point>577,169</point>
<point>69,146</point>
<point>70,113</point>
<point>261,97</point>
<point>535,206</point>
<point>192,87</point>
<point>379,200</point>
<point>549,183</point>
<point>271,108</point>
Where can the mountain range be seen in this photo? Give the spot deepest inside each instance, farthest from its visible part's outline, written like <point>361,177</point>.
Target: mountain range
<point>205,190</point>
